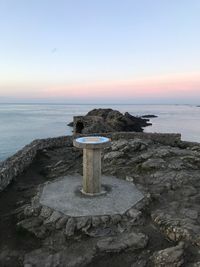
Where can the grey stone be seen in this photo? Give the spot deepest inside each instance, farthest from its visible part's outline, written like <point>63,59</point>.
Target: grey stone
<point>43,258</point>
<point>188,191</point>
<point>32,225</point>
<point>61,222</point>
<point>46,212</point>
<point>122,242</point>
<point>96,221</point>
<point>176,164</point>
<point>119,144</point>
<point>174,228</point>
<point>129,179</point>
<point>29,224</point>
<point>169,257</point>
<point>28,211</point>
<point>113,155</point>
<point>134,214</point>
<point>146,155</point>
<point>100,231</point>
<point>195,264</point>
<point>154,163</point>
<point>70,227</point>
<point>55,216</point>
<point>116,218</point>
<point>192,214</point>
<point>140,263</point>
<point>81,222</point>
<point>8,256</point>
<point>74,256</point>
<point>163,152</point>
<point>105,219</point>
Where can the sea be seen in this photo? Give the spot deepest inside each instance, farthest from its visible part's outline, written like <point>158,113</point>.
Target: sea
<point>22,123</point>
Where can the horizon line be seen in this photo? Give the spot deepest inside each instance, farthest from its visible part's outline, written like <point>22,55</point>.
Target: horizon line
<point>57,103</point>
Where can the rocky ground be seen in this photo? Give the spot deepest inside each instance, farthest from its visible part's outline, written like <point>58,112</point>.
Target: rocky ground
<point>162,230</point>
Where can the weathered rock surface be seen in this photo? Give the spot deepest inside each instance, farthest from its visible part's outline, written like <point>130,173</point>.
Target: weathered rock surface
<point>122,242</point>
<point>168,176</point>
<point>169,257</point>
<point>108,120</point>
<point>65,257</point>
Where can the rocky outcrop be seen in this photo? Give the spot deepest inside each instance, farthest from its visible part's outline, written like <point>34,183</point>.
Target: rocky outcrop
<point>16,164</point>
<point>149,116</point>
<point>122,242</point>
<point>165,169</point>
<point>169,257</point>
<point>108,120</point>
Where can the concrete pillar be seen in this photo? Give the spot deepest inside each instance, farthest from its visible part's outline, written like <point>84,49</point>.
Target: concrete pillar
<point>92,147</point>
<point>91,171</point>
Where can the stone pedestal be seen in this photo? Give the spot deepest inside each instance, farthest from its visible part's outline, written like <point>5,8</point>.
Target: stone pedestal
<point>92,147</point>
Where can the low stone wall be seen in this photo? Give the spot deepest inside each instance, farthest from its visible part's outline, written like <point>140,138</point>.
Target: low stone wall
<point>16,164</point>
<point>170,139</point>
<point>163,138</point>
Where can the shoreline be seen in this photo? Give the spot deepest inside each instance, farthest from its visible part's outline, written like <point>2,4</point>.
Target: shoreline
<point>36,122</point>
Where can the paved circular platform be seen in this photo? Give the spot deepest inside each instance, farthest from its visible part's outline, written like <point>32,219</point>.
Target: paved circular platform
<point>64,195</point>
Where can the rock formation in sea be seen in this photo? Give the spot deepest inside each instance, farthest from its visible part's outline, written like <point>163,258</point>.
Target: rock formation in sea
<point>108,120</point>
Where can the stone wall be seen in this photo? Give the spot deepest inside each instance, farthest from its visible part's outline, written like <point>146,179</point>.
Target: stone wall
<point>17,163</point>
<point>171,139</point>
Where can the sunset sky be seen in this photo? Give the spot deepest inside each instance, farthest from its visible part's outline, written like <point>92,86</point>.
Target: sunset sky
<point>100,51</point>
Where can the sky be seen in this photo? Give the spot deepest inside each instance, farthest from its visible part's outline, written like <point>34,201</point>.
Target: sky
<point>100,51</point>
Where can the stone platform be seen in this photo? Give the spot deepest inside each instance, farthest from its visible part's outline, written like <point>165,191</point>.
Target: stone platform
<point>64,195</point>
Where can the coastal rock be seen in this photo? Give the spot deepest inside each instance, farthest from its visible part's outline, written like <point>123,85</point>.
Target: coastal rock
<point>65,257</point>
<point>134,214</point>
<point>113,154</point>
<point>169,257</point>
<point>153,163</point>
<point>121,242</point>
<point>176,226</point>
<point>108,120</point>
<point>55,216</point>
<point>70,227</point>
<point>196,264</point>
<point>82,222</point>
<point>61,222</point>
<point>10,257</point>
<point>149,116</point>
<point>96,221</point>
<point>45,212</point>
<point>33,226</point>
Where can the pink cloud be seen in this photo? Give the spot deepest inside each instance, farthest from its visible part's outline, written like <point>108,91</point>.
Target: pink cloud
<point>176,85</point>
<point>162,86</point>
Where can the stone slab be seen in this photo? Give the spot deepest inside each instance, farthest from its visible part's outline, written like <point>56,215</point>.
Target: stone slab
<point>64,195</point>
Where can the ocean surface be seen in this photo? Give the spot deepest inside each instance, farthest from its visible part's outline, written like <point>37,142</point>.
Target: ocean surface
<point>22,123</point>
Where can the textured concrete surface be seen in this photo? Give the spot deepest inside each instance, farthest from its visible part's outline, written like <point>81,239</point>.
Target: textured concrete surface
<point>92,171</point>
<point>64,195</point>
<point>92,146</point>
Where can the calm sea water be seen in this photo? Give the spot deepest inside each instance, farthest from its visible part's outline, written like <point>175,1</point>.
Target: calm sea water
<point>22,123</point>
